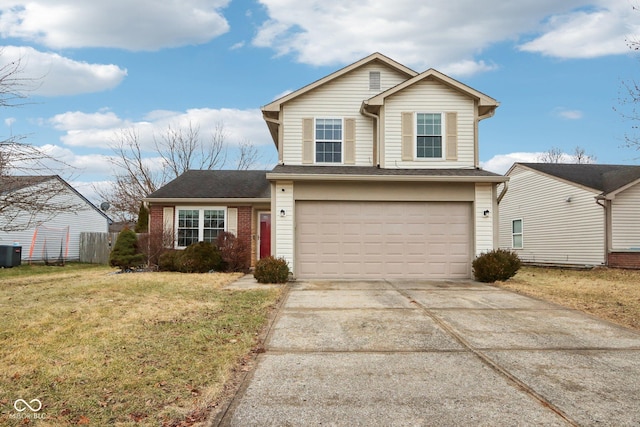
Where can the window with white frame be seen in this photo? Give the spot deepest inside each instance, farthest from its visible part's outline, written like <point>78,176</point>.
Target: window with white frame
<point>196,225</point>
<point>328,140</point>
<point>516,234</point>
<point>429,136</point>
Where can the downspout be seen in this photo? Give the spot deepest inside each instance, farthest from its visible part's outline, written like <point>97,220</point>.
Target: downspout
<point>279,123</point>
<point>376,118</point>
<point>606,226</point>
<point>503,192</point>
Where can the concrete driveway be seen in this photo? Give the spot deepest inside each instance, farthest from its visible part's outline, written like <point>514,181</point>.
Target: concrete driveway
<point>436,353</point>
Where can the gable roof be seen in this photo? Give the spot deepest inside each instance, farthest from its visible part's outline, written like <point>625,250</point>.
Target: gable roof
<point>486,104</point>
<point>608,179</point>
<point>275,105</point>
<point>215,184</point>
<point>13,183</point>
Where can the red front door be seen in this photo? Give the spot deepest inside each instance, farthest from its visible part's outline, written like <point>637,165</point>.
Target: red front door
<point>265,235</point>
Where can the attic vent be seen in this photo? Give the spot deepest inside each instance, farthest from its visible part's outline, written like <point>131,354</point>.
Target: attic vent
<point>374,80</point>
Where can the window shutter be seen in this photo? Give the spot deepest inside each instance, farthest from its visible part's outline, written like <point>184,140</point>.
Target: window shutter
<point>232,221</point>
<point>167,224</point>
<point>452,136</point>
<point>308,150</point>
<point>349,141</point>
<point>407,136</point>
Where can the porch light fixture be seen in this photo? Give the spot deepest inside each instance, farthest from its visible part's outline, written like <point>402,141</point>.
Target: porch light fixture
<point>486,212</point>
<point>282,212</point>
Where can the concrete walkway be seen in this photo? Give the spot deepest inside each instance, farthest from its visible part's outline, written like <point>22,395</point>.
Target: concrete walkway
<point>446,353</point>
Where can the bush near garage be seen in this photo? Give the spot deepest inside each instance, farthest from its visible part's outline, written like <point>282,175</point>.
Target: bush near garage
<point>499,264</point>
<point>271,270</point>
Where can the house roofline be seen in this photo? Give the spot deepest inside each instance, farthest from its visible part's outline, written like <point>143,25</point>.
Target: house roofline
<point>275,105</point>
<point>488,103</point>
<point>219,200</point>
<point>385,178</point>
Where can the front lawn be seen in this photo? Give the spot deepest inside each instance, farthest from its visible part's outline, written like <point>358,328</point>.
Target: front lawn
<point>611,294</point>
<point>98,348</point>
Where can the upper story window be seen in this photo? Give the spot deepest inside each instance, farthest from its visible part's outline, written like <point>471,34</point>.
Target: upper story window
<point>374,80</point>
<point>429,136</point>
<point>328,141</point>
<point>196,225</point>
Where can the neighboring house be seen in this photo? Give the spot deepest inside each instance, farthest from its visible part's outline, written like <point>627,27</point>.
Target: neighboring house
<point>378,177</point>
<point>199,204</point>
<point>45,215</point>
<point>573,214</point>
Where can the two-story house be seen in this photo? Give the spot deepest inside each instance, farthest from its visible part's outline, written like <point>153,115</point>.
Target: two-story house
<point>378,175</point>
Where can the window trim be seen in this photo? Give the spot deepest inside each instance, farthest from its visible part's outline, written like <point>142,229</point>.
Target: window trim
<point>201,227</point>
<point>315,141</point>
<point>443,142</point>
<point>514,234</point>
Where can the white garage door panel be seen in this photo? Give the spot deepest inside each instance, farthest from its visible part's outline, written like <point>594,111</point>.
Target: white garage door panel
<point>376,239</point>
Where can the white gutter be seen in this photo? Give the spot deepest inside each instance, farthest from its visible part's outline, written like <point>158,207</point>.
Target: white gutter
<point>377,119</point>
<point>223,200</point>
<point>387,178</point>
<point>504,191</point>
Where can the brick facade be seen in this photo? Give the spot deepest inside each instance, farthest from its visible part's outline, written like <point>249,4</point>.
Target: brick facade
<point>624,260</point>
<point>155,219</point>
<point>245,225</point>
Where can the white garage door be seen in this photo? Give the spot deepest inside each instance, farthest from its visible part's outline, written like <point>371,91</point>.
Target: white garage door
<point>383,240</point>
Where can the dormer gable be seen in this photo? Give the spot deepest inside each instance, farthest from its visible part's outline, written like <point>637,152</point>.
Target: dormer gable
<point>486,104</point>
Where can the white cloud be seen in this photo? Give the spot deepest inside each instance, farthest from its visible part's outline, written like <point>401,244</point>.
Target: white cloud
<point>132,25</point>
<point>567,114</point>
<point>49,74</point>
<point>440,34</point>
<point>502,162</point>
<point>101,129</point>
<point>588,33</point>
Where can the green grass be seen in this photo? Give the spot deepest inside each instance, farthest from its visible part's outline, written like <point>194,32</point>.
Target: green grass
<point>122,349</point>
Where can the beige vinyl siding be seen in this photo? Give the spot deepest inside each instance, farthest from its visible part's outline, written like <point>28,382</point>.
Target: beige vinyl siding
<point>484,224</point>
<point>342,98</point>
<point>283,225</point>
<point>625,220</point>
<point>554,231</point>
<point>428,96</point>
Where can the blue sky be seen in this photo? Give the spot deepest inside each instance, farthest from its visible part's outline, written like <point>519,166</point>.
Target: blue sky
<point>556,68</point>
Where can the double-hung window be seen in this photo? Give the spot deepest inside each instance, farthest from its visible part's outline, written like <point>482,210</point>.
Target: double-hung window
<point>328,140</point>
<point>429,136</point>
<point>196,225</point>
<point>516,234</point>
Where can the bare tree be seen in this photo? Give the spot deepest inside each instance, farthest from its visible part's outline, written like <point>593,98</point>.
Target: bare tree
<point>30,190</point>
<point>580,156</point>
<point>248,155</point>
<point>556,155</point>
<point>139,172</point>
<point>181,149</point>
<point>553,155</point>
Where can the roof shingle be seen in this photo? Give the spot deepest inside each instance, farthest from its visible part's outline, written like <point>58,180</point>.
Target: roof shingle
<point>216,184</point>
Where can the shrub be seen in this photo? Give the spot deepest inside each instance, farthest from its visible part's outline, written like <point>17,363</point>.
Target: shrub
<point>153,244</point>
<point>499,264</point>
<point>200,257</point>
<point>125,253</point>
<point>271,270</point>
<point>235,253</point>
<point>168,260</point>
